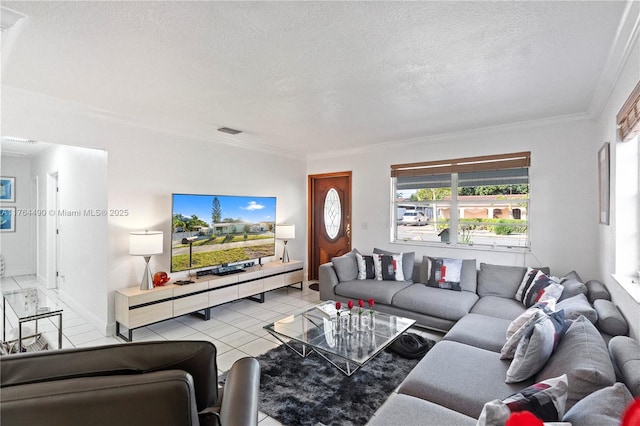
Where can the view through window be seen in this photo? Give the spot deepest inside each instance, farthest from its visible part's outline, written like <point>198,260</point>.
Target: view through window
<point>477,201</point>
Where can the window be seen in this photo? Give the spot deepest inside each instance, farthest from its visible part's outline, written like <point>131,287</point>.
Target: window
<point>484,199</point>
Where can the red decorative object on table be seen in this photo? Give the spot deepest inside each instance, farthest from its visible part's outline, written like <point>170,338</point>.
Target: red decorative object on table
<point>160,278</point>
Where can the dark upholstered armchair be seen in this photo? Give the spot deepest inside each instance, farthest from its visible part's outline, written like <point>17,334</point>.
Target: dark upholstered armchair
<point>147,383</point>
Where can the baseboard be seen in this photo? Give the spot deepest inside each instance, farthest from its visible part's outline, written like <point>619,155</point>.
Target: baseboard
<point>90,317</point>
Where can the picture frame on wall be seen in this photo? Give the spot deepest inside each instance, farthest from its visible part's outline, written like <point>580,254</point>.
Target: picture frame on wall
<point>604,184</point>
<point>7,189</point>
<point>7,219</point>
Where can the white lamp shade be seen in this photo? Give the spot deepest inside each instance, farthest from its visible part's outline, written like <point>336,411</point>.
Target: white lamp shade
<point>145,243</point>
<point>285,232</point>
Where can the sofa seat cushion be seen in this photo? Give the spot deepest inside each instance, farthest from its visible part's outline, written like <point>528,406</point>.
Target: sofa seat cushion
<point>460,377</point>
<point>481,331</point>
<point>499,307</point>
<point>602,408</point>
<point>583,356</point>
<point>437,302</point>
<point>407,410</point>
<point>379,291</point>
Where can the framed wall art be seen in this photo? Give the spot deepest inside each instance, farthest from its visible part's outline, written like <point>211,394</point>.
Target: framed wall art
<point>7,189</point>
<point>7,219</point>
<point>603,184</point>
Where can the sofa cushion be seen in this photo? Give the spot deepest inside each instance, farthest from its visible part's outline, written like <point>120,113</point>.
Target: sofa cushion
<point>346,266</point>
<point>441,303</point>
<point>596,290</point>
<point>499,280</point>
<point>573,285</point>
<point>408,259</point>
<point>472,377</point>
<point>407,410</point>
<point>380,291</point>
<point>468,274</point>
<point>601,408</point>
<point>546,400</point>
<point>481,331</point>
<point>583,356</point>
<point>625,353</point>
<point>610,319</point>
<point>536,346</point>
<point>498,307</point>
<point>576,306</point>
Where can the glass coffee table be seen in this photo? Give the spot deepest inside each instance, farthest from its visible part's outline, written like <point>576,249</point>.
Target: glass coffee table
<point>347,349</point>
<point>30,304</point>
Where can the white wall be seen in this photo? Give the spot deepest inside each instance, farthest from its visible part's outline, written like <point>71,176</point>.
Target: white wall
<point>563,192</point>
<point>18,248</point>
<point>606,131</point>
<point>82,183</point>
<point>145,166</point>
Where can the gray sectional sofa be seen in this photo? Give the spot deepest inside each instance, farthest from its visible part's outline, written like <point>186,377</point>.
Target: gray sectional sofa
<point>461,373</point>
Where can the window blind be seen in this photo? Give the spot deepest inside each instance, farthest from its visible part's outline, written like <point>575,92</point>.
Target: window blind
<point>518,160</point>
<point>628,118</point>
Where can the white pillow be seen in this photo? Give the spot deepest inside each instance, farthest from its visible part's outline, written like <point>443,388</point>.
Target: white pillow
<point>397,267</point>
<point>362,266</point>
<point>377,266</point>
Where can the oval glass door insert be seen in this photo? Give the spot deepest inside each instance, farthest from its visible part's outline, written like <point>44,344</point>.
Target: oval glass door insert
<point>332,213</point>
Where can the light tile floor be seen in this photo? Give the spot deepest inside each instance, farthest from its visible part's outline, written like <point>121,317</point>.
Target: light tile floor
<point>235,328</point>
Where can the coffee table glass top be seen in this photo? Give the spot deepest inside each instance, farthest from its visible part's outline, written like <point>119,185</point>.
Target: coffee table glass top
<point>316,331</point>
<point>31,302</point>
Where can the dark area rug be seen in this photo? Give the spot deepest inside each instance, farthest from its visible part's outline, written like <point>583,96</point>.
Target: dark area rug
<point>314,286</point>
<point>307,391</point>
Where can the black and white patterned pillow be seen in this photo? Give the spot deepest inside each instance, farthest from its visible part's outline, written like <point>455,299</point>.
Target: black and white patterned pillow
<point>444,273</point>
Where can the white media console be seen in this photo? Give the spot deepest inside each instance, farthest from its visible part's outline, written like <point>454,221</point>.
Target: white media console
<point>136,308</point>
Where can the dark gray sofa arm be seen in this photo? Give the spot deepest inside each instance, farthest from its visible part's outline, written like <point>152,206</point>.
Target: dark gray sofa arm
<point>328,279</point>
<point>162,398</point>
<point>240,394</point>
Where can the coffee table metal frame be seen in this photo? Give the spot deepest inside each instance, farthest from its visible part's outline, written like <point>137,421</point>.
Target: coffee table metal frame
<point>30,304</point>
<point>314,331</point>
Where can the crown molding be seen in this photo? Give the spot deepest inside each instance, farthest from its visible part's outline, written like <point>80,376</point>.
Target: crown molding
<point>194,131</point>
<point>452,136</point>
<point>626,36</point>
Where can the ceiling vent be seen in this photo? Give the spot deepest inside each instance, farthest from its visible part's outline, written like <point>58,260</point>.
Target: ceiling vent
<point>19,140</point>
<point>229,130</point>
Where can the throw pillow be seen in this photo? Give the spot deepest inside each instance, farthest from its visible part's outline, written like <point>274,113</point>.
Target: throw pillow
<point>534,291</point>
<point>346,266</point>
<point>578,305</point>
<point>610,319</point>
<point>408,259</point>
<point>603,407</point>
<point>527,280</point>
<point>444,273</point>
<point>397,267</point>
<point>388,272</point>
<point>519,326</point>
<point>365,267</point>
<point>377,266</point>
<point>546,400</point>
<point>573,285</point>
<point>536,346</point>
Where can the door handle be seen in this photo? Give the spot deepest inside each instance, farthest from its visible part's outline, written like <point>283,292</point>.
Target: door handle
<point>348,230</point>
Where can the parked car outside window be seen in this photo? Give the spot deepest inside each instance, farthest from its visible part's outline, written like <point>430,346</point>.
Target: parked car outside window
<point>415,218</point>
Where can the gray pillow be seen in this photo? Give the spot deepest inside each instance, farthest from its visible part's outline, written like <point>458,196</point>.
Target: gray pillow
<point>625,353</point>
<point>610,320</point>
<point>603,407</point>
<point>573,285</point>
<point>583,356</point>
<point>576,306</point>
<point>499,280</point>
<point>596,290</point>
<point>346,266</point>
<point>408,260</point>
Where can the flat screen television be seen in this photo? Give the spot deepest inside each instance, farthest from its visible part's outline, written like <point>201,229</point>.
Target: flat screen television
<point>216,231</point>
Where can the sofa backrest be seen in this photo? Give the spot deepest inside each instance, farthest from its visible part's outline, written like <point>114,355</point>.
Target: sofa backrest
<point>499,280</point>
<point>625,354</point>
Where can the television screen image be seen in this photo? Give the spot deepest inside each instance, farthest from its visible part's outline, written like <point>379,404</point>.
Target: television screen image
<point>215,230</point>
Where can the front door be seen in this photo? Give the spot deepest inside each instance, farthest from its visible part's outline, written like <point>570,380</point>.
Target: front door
<point>329,218</point>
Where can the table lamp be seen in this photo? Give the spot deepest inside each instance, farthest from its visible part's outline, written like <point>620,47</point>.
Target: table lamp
<point>145,243</point>
<point>285,232</point>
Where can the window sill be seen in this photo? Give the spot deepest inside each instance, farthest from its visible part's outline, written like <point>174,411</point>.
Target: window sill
<point>477,247</point>
<point>630,284</point>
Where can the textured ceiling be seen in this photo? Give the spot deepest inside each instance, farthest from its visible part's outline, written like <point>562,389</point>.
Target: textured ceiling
<point>315,76</point>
